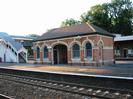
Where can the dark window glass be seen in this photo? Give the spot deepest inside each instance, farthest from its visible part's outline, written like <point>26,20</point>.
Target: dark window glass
<point>88,50</point>
<point>38,52</point>
<point>76,51</point>
<point>45,52</point>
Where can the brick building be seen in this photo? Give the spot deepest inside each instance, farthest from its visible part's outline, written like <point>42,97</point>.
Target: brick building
<point>83,44</point>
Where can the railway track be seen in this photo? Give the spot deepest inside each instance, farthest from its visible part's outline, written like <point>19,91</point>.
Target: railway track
<point>84,90</point>
<point>4,97</point>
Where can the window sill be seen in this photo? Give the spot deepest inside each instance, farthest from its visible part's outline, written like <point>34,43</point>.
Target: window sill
<point>38,59</point>
<point>89,59</point>
<point>75,60</point>
<point>46,60</point>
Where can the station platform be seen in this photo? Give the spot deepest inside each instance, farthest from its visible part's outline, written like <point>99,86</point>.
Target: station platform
<point>120,69</point>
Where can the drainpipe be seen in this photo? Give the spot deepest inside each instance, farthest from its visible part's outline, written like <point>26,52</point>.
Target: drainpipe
<point>114,50</point>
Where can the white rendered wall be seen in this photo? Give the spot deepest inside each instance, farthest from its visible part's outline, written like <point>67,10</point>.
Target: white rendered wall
<point>10,56</point>
<point>2,52</point>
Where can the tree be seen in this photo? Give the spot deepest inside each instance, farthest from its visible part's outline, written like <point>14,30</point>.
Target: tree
<point>122,11</point>
<point>33,35</point>
<point>98,15</point>
<point>116,16</point>
<point>69,22</point>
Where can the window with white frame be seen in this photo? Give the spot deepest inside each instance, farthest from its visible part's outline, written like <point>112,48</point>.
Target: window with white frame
<point>76,51</point>
<point>88,50</point>
<point>38,52</point>
<point>45,52</point>
<point>129,51</point>
<point>117,52</point>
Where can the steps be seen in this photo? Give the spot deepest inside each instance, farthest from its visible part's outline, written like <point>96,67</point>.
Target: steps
<point>11,51</point>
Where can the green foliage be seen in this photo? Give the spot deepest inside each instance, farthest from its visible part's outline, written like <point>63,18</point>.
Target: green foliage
<point>97,15</point>
<point>33,35</point>
<point>122,11</point>
<point>69,22</point>
<point>115,17</point>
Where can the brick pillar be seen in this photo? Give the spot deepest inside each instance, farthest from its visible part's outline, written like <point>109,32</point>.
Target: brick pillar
<point>82,55</point>
<point>96,55</point>
<point>69,56</point>
<point>50,55</point>
<point>41,57</point>
<point>35,55</point>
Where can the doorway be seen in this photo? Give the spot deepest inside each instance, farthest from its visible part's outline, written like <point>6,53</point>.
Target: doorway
<point>125,53</point>
<point>60,54</point>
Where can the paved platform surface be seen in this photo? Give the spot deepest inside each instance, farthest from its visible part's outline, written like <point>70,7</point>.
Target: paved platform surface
<point>120,69</point>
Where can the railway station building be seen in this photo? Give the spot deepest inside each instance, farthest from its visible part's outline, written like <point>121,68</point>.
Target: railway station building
<point>123,47</point>
<point>83,44</point>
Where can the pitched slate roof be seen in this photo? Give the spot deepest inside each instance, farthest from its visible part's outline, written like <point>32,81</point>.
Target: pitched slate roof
<point>75,30</point>
<point>9,39</point>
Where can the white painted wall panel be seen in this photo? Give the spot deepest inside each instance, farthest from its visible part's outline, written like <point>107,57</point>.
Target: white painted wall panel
<point>10,56</point>
<point>2,49</point>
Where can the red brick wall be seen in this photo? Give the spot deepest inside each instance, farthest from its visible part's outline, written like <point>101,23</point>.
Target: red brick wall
<point>81,55</point>
<point>108,54</point>
<point>35,55</point>
<point>41,56</point>
<point>50,56</point>
<point>107,41</point>
<point>107,51</point>
<point>69,55</point>
<point>95,52</point>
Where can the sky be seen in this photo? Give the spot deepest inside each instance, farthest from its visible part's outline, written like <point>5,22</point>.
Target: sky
<point>23,17</point>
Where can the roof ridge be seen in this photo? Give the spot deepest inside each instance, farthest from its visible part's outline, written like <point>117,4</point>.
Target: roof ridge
<point>91,27</point>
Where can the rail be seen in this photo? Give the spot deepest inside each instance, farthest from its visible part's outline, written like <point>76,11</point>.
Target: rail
<point>80,89</point>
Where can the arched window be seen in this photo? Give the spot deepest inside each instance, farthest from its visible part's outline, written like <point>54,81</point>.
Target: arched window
<point>45,55</point>
<point>88,50</point>
<point>38,52</point>
<point>76,51</point>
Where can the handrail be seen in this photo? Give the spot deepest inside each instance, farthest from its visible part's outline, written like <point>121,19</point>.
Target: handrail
<point>15,50</point>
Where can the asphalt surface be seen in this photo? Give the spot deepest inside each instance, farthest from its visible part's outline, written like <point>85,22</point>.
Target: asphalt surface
<point>120,69</point>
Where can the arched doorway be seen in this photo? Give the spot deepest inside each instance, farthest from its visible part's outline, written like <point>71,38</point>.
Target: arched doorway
<point>60,54</point>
